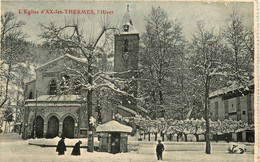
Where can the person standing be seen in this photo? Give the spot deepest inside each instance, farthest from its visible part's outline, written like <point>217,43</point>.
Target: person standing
<point>76,149</point>
<point>61,147</point>
<point>159,150</point>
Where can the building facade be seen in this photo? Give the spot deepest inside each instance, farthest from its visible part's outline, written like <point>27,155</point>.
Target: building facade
<point>56,112</point>
<point>60,111</point>
<point>236,104</point>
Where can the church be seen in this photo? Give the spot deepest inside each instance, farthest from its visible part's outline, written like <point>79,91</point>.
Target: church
<point>49,113</point>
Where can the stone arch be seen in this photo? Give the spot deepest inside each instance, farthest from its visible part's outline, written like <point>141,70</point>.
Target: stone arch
<point>39,126</point>
<point>53,126</point>
<point>68,127</point>
<point>69,114</point>
<point>33,117</point>
<point>31,123</point>
<point>52,114</point>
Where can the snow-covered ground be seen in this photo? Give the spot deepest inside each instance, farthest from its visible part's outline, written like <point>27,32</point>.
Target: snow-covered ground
<point>54,141</point>
<point>13,148</point>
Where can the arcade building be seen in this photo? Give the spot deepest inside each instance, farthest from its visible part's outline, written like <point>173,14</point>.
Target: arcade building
<point>235,103</point>
<point>58,114</point>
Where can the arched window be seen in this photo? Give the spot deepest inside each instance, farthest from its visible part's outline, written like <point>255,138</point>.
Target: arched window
<point>30,95</point>
<point>126,41</point>
<point>53,88</point>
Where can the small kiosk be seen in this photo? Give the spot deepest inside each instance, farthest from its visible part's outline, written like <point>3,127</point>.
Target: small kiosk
<point>113,137</point>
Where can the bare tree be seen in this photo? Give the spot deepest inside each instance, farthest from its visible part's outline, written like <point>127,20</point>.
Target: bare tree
<point>240,42</point>
<point>207,64</point>
<point>14,50</point>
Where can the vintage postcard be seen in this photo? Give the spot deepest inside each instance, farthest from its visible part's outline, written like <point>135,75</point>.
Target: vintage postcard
<point>129,81</point>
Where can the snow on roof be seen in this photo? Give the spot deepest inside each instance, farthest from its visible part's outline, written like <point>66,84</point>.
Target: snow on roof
<point>226,90</point>
<point>113,126</point>
<point>52,104</point>
<point>128,21</point>
<point>82,60</point>
<point>127,109</point>
<point>244,129</point>
<point>54,98</point>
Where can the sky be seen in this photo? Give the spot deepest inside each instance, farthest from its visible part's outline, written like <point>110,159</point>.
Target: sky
<point>187,13</point>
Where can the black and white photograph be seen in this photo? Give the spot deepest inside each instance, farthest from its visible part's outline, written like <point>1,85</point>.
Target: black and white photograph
<point>129,81</point>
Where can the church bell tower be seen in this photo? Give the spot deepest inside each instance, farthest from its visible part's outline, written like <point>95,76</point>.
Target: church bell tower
<point>126,58</point>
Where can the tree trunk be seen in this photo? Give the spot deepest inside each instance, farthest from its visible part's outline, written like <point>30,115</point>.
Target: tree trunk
<point>161,97</point>
<point>90,135</point>
<point>99,117</point>
<point>144,135</point>
<point>185,137</point>
<point>207,114</point>
<point>155,139</point>
<point>197,137</point>
<point>9,127</point>
<point>89,104</point>
<point>178,137</point>
<point>17,104</point>
<point>170,137</point>
<point>149,136</point>
<point>5,127</point>
<point>162,135</point>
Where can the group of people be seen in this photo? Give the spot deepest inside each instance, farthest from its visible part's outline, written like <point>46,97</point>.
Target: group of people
<point>61,148</point>
<point>236,148</point>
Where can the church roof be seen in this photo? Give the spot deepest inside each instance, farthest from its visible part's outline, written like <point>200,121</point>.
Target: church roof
<point>127,109</point>
<point>132,111</point>
<point>55,98</point>
<point>82,60</point>
<point>230,89</point>
<point>127,20</point>
<point>113,126</point>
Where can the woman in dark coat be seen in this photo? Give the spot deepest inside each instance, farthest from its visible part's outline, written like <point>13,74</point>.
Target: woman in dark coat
<point>76,149</point>
<point>61,148</point>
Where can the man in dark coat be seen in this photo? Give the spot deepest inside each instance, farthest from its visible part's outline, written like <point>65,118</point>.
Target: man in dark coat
<point>76,149</point>
<point>61,147</point>
<point>159,150</point>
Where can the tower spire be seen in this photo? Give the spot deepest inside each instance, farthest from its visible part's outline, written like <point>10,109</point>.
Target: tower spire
<point>127,24</point>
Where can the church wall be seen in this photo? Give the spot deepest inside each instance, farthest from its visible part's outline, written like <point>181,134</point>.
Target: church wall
<point>61,112</point>
<point>46,74</point>
<point>53,71</point>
